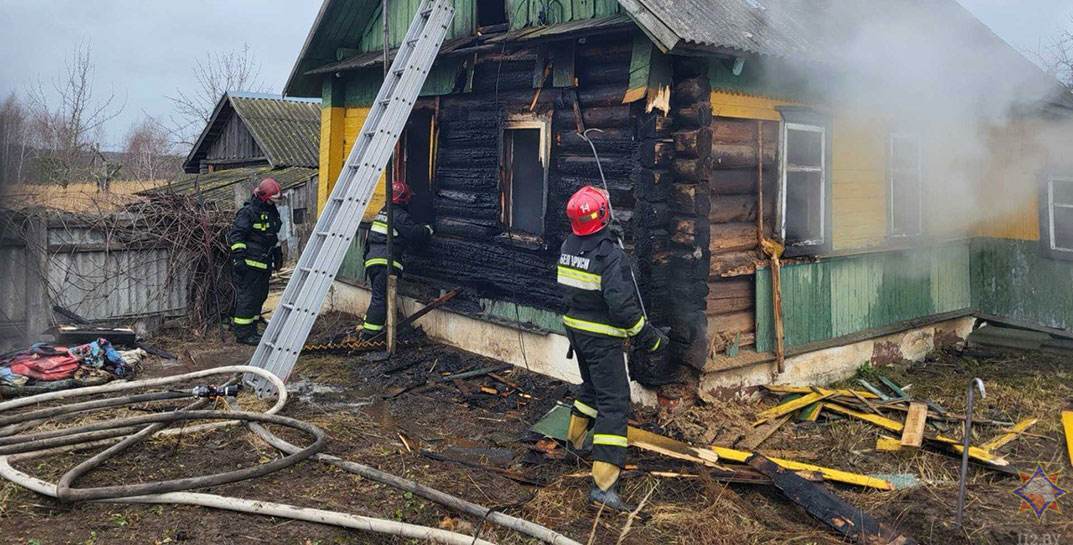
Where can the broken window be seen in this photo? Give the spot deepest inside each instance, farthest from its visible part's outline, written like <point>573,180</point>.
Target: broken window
<point>524,177</point>
<point>804,184</point>
<point>491,12</point>
<point>906,189</point>
<point>415,165</point>
<point>1059,222</point>
<point>298,216</point>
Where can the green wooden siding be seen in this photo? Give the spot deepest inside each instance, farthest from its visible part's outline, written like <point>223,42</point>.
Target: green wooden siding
<point>530,13</point>
<point>401,13</point>
<point>843,295</point>
<point>353,267</point>
<point>1013,279</point>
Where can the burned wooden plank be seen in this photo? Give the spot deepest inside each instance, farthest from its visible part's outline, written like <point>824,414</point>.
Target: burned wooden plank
<point>760,434</point>
<point>824,505</point>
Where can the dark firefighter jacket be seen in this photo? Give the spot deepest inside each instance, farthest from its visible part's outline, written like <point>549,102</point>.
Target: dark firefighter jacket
<point>255,233</point>
<point>598,291</point>
<point>408,234</point>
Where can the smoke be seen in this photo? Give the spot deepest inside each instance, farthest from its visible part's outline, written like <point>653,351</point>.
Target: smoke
<point>930,69</point>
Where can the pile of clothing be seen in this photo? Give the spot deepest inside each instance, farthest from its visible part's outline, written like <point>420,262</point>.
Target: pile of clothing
<point>94,362</point>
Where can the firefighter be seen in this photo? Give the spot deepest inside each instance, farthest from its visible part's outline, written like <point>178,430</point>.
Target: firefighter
<point>603,310</point>
<point>407,234</point>
<point>255,253</point>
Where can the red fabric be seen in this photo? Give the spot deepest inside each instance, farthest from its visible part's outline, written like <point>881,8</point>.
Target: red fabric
<point>400,192</point>
<point>45,368</point>
<point>588,211</point>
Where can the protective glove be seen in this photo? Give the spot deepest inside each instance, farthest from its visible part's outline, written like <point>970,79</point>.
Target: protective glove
<point>277,258</point>
<point>615,228</point>
<point>431,231</point>
<point>652,339</point>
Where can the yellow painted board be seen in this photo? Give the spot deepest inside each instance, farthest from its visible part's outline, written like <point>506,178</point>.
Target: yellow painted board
<point>740,456</point>
<point>888,444</point>
<point>811,413</point>
<point>790,406</point>
<point>1010,434</point>
<point>895,426</point>
<point>786,389</point>
<point>915,420</point>
<point>1067,426</point>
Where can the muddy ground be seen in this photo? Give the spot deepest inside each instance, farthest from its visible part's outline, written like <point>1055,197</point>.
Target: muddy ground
<point>376,412</point>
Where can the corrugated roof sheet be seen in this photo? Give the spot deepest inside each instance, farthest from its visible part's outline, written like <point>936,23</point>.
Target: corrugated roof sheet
<point>219,186</point>
<point>288,130</point>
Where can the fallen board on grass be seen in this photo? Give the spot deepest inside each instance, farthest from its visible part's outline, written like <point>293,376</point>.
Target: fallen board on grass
<point>913,431</point>
<point>821,503</point>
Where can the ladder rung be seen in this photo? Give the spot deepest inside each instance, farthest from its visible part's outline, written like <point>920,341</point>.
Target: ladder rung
<point>426,13</point>
<point>287,306</point>
<point>386,101</point>
<point>324,233</point>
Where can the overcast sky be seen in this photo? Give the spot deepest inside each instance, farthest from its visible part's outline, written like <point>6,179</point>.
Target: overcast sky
<point>144,50</point>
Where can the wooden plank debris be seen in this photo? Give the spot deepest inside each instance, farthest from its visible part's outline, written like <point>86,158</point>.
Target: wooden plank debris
<point>790,406</point>
<point>810,413</point>
<point>824,505</point>
<point>788,389</point>
<point>913,430</point>
<point>1010,434</point>
<point>873,390</point>
<point>758,435</point>
<point>673,449</point>
<point>888,444</point>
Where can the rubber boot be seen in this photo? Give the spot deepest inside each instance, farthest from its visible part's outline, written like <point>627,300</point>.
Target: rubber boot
<point>247,334</point>
<point>577,430</point>
<point>604,489</point>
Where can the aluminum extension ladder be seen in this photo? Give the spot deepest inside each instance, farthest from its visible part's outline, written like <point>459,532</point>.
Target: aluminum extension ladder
<point>338,223</point>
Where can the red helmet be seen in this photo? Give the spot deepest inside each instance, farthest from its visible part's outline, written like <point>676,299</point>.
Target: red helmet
<point>588,210</point>
<point>267,190</point>
<point>400,192</point>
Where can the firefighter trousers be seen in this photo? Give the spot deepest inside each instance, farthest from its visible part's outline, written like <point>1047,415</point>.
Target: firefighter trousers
<point>251,290</point>
<point>376,315</point>
<point>604,394</point>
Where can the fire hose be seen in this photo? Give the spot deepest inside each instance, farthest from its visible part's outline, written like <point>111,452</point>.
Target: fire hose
<point>120,434</point>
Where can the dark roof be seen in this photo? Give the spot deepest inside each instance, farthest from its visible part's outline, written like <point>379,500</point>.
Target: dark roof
<point>286,129</point>
<point>218,186</point>
<point>338,23</point>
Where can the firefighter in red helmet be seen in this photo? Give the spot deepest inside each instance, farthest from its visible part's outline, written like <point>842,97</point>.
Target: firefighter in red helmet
<point>407,234</point>
<point>255,253</point>
<point>603,310</point>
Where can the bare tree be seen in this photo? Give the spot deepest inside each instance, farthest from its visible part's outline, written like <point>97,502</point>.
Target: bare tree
<point>149,152</point>
<point>68,120</point>
<point>14,139</point>
<point>216,74</point>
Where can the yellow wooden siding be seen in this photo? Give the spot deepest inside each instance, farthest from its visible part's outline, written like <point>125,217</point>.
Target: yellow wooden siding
<point>1010,189</point>
<point>338,129</point>
<point>745,106</point>
<point>859,183</point>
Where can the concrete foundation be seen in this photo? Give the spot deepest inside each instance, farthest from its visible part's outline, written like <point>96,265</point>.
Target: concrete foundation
<point>836,363</point>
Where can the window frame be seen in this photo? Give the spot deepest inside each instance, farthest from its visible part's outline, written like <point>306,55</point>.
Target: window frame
<point>891,213</point>
<point>804,119</point>
<point>1047,205</point>
<point>506,182</point>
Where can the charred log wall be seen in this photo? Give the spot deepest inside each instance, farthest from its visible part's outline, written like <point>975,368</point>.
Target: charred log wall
<point>471,247</point>
<point>681,256</point>
<point>737,154</point>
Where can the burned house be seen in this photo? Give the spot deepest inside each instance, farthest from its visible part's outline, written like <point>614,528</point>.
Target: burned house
<point>252,136</point>
<point>791,213</point>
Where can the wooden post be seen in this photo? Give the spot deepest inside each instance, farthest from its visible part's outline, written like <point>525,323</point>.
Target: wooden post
<point>392,285</point>
<point>388,197</point>
<point>773,250</point>
<point>37,304</point>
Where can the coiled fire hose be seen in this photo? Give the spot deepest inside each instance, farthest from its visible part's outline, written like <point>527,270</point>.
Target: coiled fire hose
<point>120,434</point>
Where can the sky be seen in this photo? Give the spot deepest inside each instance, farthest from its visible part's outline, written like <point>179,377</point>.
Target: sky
<point>146,50</point>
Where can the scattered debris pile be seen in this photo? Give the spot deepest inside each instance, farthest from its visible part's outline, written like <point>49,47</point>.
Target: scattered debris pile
<point>47,367</point>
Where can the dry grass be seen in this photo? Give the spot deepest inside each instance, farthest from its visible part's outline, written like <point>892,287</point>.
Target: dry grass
<point>77,197</point>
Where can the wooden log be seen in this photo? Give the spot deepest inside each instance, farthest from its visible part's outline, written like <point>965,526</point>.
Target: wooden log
<point>739,155</point>
<point>824,505</point>
<point>654,125</point>
<point>692,91</point>
<point>729,237</point>
<point>733,264</point>
<point>618,140</point>
<point>601,95</point>
<point>733,208</point>
<point>692,117</point>
<point>690,199</point>
<point>728,296</point>
<point>610,69</point>
<point>729,325</point>
<point>690,67</point>
<point>656,153</point>
<point>607,117</point>
<point>613,166</point>
<point>693,144</point>
<point>692,170</point>
<point>653,184</point>
<point>686,230</point>
<point>728,130</point>
<point>740,181</point>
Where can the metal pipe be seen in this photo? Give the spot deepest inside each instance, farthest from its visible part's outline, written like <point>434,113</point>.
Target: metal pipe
<point>965,447</point>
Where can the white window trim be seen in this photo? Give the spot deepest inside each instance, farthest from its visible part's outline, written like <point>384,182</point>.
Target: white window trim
<point>891,231</point>
<point>784,168</point>
<point>543,154</point>
<point>1052,243</point>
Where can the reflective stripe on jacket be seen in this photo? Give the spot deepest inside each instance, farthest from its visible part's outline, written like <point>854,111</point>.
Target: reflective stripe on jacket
<point>594,278</point>
<point>255,232</point>
<point>408,234</point>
